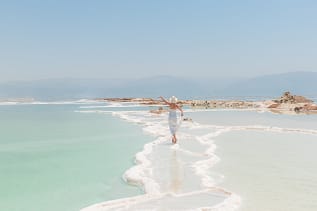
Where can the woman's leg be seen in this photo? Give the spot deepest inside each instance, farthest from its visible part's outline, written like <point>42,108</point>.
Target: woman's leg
<point>174,139</point>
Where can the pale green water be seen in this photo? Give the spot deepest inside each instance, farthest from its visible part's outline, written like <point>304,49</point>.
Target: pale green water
<point>52,158</point>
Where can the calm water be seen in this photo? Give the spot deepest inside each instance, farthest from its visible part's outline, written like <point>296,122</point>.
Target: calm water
<point>52,158</point>
<point>55,158</point>
<point>270,170</point>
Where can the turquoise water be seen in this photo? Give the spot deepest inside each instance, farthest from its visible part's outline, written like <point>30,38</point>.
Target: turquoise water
<point>52,158</point>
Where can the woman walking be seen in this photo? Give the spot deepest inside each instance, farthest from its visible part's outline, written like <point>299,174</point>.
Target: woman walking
<point>173,121</point>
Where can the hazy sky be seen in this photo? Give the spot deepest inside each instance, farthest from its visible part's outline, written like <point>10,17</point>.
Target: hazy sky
<point>135,38</point>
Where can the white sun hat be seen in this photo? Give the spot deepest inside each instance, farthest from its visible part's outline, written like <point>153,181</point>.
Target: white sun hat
<point>173,99</point>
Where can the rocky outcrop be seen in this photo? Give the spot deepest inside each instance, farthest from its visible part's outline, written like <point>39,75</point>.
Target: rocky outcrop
<point>147,101</point>
<point>301,99</point>
<point>286,104</point>
<point>293,103</point>
<point>223,104</point>
<point>274,105</point>
<point>287,97</point>
<point>160,110</point>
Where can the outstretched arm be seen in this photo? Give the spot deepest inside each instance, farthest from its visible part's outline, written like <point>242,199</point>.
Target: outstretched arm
<point>165,101</point>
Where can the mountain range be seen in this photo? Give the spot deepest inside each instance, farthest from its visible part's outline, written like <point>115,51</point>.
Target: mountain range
<point>301,83</point>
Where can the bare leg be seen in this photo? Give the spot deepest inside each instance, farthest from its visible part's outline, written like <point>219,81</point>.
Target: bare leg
<point>174,138</point>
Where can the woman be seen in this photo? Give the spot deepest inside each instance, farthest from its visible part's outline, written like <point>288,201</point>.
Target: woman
<point>172,117</point>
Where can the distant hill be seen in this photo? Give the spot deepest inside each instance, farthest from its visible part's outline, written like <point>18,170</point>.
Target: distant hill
<point>52,89</point>
<point>301,83</point>
<point>169,85</point>
<point>93,88</point>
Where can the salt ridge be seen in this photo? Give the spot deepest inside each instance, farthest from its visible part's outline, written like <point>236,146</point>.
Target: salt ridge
<point>137,174</point>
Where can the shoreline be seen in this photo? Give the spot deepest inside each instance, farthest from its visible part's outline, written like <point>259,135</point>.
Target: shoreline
<point>287,104</point>
<point>166,175</point>
<point>135,175</point>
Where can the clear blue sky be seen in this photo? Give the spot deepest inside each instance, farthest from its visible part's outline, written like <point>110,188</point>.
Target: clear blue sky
<point>140,38</point>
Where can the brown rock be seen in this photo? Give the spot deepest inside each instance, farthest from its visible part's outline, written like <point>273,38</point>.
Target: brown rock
<point>310,107</point>
<point>274,105</point>
<point>158,111</point>
<point>301,99</point>
<point>287,97</point>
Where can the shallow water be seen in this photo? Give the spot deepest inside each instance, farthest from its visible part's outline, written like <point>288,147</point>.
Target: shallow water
<point>66,157</point>
<point>253,118</point>
<point>268,160</point>
<point>52,158</point>
<point>270,171</point>
<point>174,177</point>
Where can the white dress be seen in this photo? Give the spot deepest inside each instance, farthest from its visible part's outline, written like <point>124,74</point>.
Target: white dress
<point>173,121</point>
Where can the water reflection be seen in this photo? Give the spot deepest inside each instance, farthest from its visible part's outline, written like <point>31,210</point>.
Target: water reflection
<point>176,172</point>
